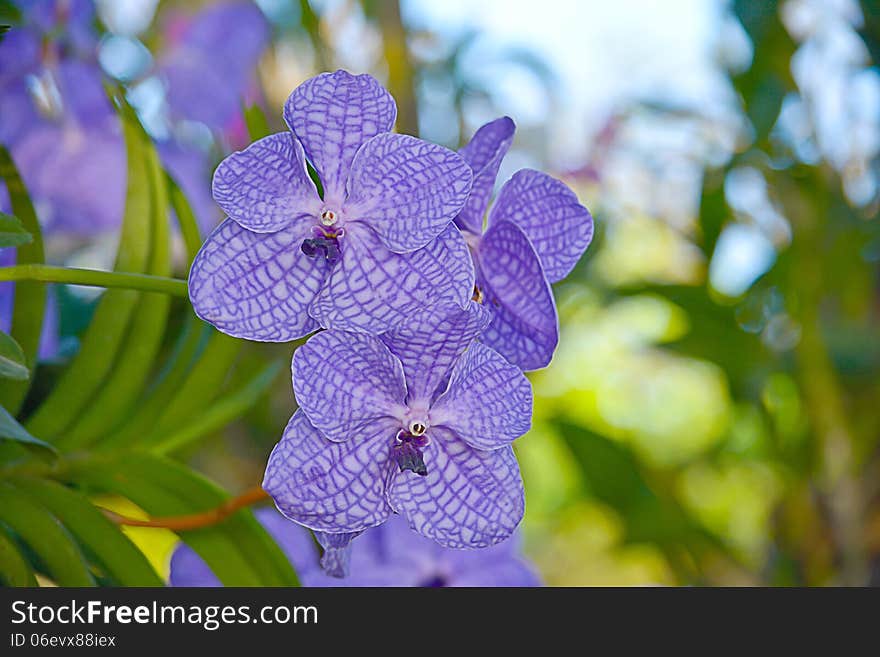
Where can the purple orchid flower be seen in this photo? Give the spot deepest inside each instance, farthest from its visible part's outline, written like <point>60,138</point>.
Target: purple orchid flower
<point>389,555</point>
<point>536,232</point>
<point>57,121</point>
<point>376,248</point>
<point>61,157</point>
<point>418,422</point>
<point>211,59</point>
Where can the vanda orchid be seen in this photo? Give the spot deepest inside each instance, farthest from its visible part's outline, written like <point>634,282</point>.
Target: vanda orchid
<point>376,245</point>
<point>536,232</point>
<point>419,422</point>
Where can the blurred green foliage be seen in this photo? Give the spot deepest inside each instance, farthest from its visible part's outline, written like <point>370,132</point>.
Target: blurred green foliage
<point>736,438</point>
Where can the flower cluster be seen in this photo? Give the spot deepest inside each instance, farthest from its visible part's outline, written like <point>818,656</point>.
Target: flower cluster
<point>411,397</point>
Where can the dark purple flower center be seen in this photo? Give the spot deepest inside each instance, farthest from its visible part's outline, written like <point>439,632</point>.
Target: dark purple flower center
<point>434,582</point>
<point>324,244</point>
<point>407,451</point>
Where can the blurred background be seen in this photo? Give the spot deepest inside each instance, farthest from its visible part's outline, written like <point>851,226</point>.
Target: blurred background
<point>712,415</point>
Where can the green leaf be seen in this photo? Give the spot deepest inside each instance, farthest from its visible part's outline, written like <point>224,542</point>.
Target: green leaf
<point>140,348</point>
<point>30,296</point>
<point>78,386</point>
<point>46,537</point>
<point>615,477</point>
<point>14,568</point>
<point>12,233</point>
<point>112,549</point>
<point>870,27</point>
<point>610,470</point>
<point>256,122</point>
<point>167,387</point>
<point>764,85</point>
<point>313,174</point>
<point>714,212</point>
<point>202,385</point>
<point>12,360</point>
<point>9,13</point>
<point>12,451</point>
<point>11,429</point>
<point>186,218</point>
<point>238,550</point>
<point>221,412</point>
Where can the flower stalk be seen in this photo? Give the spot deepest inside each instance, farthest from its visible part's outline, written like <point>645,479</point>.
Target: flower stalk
<point>94,278</point>
<point>195,520</point>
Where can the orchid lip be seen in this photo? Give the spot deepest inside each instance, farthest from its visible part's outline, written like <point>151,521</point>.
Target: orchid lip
<point>324,243</point>
<point>407,452</point>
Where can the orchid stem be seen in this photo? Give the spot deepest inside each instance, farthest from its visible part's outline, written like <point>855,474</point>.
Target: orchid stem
<point>195,520</point>
<point>94,278</point>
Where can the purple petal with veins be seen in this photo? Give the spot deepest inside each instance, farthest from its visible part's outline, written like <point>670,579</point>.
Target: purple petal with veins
<point>266,187</point>
<point>407,189</point>
<point>525,327</point>
<point>256,286</point>
<point>333,115</point>
<point>469,498</point>
<point>372,290</point>
<point>489,401</point>
<point>430,341</point>
<point>484,153</point>
<point>550,215</point>
<point>345,381</point>
<point>330,486</point>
